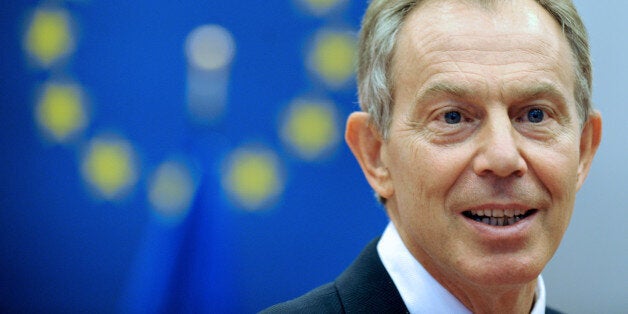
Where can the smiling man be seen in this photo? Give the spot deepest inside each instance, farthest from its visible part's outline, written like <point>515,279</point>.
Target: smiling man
<point>476,133</point>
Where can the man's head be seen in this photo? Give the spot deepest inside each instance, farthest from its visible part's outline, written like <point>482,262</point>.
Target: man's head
<point>477,131</point>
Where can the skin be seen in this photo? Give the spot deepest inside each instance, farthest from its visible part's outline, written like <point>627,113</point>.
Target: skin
<point>492,66</point>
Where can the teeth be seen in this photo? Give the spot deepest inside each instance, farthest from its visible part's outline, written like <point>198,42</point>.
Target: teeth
<point>497,217</point>
<point>497,213</point>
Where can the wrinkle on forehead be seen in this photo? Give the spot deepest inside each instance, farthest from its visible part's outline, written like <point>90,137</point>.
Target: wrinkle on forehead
<point>440,21</point>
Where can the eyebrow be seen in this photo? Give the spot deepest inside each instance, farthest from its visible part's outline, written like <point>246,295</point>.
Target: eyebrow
<point>528,92</point>
<point>442,88</point>
<point>540,90</point>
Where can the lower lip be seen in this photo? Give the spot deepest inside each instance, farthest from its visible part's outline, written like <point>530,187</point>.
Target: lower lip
<point>514,232</point>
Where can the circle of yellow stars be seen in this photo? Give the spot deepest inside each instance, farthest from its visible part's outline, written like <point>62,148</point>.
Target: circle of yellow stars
<point>252,177</point>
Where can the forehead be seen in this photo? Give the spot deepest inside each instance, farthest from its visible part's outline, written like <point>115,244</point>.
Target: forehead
<point>447,36</point>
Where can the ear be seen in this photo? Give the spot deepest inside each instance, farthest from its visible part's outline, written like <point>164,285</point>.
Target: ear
<point>366,144</point>
<point>589,142</point>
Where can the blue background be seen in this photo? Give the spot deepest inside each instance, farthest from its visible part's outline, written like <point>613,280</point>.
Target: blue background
<point>62,249</point>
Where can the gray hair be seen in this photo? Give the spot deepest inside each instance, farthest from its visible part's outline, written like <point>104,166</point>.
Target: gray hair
<point>378,36</point>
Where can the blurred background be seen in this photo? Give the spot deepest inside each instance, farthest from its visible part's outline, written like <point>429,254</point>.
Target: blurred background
<point>186,156</point>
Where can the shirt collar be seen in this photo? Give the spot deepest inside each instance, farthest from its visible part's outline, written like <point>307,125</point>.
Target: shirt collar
<point>420,292</point>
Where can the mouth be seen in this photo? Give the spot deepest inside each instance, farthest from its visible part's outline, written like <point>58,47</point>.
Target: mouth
<point>499,217</point>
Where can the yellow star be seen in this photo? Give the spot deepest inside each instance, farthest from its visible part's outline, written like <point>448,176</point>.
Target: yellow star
<point>253,178</point>
<point>171,191</point>
<point>60,111</point>
<point>333,57</point>
<point>108,166</point>
<point>310,128</point>
<point>48,37</point>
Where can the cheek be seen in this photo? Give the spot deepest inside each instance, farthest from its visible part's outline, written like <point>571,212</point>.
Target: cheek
<point>557,169</point>
<point>428,173</point>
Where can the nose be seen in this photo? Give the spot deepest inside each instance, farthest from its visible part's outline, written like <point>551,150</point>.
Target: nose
<point>499,151</point>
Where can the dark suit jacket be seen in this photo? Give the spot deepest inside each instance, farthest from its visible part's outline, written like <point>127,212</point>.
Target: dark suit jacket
<point>364,287</point>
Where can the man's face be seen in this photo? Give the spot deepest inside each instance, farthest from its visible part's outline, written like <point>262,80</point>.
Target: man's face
<point>483,156</point>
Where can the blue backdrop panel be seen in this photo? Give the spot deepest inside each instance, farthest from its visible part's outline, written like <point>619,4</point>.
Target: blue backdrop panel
<point>65,247</point>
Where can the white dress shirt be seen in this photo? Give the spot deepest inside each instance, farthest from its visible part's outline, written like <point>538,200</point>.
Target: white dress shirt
<point>420,292</point>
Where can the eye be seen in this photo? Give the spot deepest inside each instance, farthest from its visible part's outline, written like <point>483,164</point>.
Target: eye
<point>453,117</point>
<point>536,115</point>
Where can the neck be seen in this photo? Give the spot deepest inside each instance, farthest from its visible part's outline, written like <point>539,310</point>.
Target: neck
<point>518,299</point>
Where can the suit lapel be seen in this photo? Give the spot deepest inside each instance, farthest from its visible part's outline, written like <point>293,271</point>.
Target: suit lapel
<point>366,286</point>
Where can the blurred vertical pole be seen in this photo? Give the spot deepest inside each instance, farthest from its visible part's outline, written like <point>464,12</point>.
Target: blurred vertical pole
<point>185,267</point>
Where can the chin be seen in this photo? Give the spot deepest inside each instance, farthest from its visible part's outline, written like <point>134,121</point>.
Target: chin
<point>504,271</point>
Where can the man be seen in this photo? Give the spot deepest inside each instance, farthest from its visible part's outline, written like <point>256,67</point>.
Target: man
<point>476,133</point>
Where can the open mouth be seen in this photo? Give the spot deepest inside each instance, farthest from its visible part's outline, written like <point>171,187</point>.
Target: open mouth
<point>498,217</point>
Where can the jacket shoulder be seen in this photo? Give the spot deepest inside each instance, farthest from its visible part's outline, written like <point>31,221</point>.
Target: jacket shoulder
<point>364,287</point>
<point>324,299</point>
